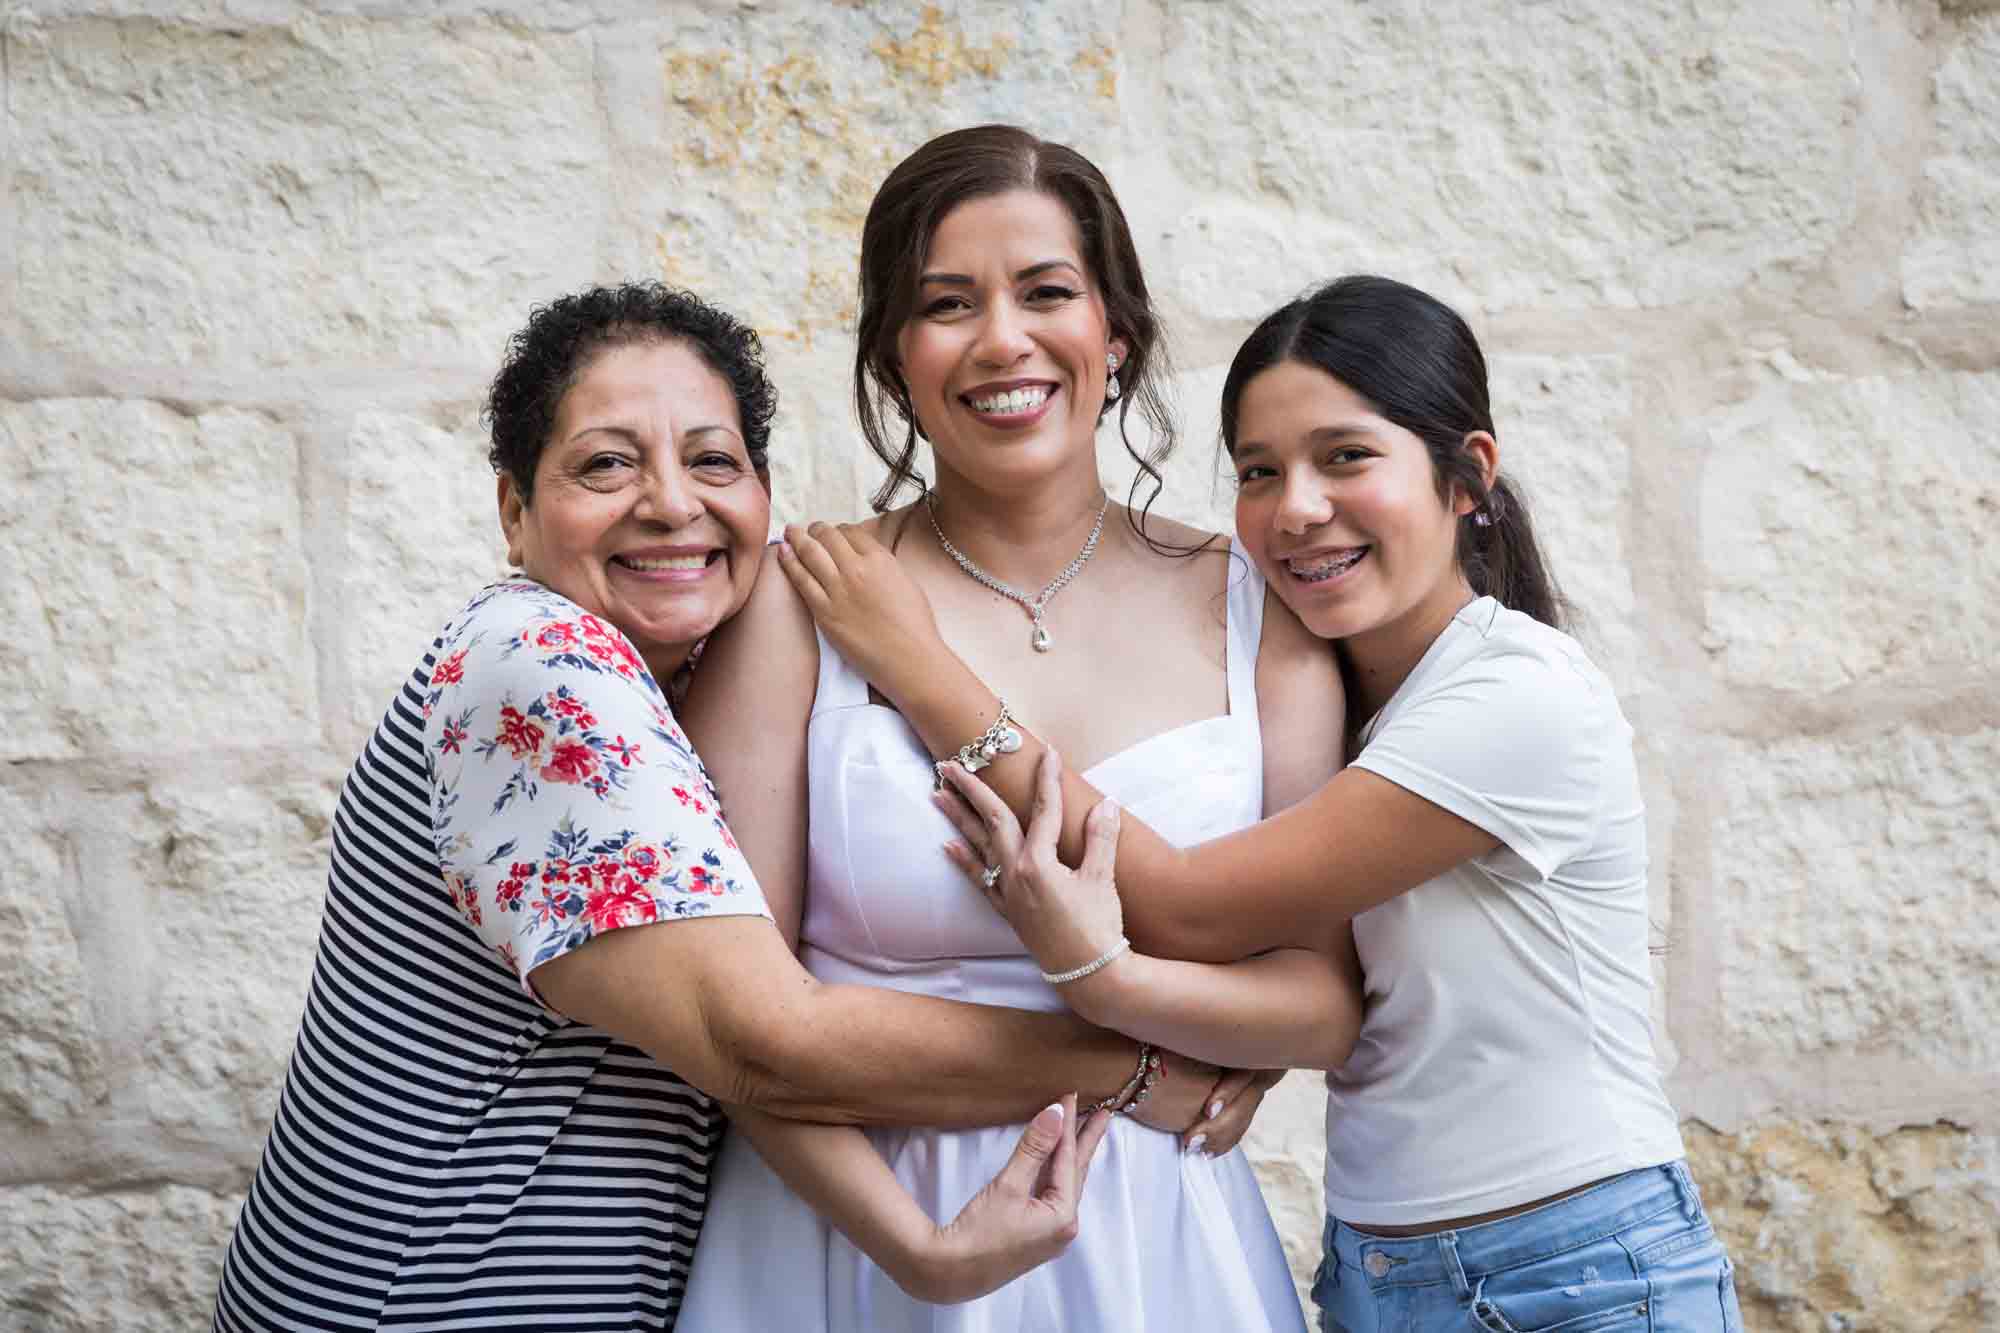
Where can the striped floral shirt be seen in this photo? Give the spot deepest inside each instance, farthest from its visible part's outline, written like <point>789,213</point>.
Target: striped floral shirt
<point>447,1153</point>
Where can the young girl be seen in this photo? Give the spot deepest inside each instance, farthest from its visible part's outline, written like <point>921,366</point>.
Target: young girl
<point>1499,1146</point>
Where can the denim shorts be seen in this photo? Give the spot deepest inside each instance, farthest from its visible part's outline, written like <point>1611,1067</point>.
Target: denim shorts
<point>1635,1254</point>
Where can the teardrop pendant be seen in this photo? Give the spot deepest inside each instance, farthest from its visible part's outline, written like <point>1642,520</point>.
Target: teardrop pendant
<point>1041,640</point>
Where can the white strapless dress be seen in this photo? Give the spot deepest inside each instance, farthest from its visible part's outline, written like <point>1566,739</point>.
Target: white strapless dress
<point>1166,1240</point>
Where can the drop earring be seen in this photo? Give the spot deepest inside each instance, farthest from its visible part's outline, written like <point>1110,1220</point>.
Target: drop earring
<point>1111,389</point>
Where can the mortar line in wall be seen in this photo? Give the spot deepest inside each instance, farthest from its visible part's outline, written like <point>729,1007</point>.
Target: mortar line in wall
<point>279,390</point>
<point>1954,698</point>
<point>1879,1093</point>
<point>9,241</point>
<point>213,766</point>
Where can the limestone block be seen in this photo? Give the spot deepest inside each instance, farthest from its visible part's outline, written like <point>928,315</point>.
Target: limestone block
<point>1638,155</point>
<point>1564,430</point>
<point>1840,523</point>
<point>1953,258</point>
<point>238,879</point>
<point>48,1030</point>
<point>157,592</point>
<point>168,932</point>
<point>1230,259</point>
<point>143,1261</point>
<point>783,128</point>
<point>1856,898</point>
<point>820,466</point>
<point>334,190</point>
<point>1831,1227</point>
<point>423,534</point>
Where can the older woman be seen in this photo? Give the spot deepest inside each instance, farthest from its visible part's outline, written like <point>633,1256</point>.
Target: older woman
<point>498,1111</point>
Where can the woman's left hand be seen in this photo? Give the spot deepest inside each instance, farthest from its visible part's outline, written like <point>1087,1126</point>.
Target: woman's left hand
<point>1066,917</point>
<point>1231,1106</point>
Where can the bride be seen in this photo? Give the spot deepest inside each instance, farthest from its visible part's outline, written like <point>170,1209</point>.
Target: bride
<point>1004,315</point>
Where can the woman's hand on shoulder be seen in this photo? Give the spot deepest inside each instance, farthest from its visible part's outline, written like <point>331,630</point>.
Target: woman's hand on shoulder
<point>863,600</point>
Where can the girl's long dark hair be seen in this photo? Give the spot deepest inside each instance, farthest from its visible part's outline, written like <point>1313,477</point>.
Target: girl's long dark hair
<point>1412,357</point>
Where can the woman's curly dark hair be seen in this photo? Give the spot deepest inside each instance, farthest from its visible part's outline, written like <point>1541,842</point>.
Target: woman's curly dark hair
<point>544,359</point>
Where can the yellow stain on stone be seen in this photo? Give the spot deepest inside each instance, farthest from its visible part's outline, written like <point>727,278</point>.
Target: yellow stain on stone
<point>938,54</point>
<point>1103,60</point>
<point>793,151</point>
<point>1833,1227</point>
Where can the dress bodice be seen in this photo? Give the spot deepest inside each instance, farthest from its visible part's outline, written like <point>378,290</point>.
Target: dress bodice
<point>1168,1239</point>
<point>884,904</point>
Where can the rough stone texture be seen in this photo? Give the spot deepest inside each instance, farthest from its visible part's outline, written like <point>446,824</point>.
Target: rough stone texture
<point>134,629</point>
<point>423,531</point>
<point>167,930</point>
<point>819,464</point>
<point>1857,902</point>
<point>1564,439</point>
<point>237,876</point>
<point>47,1031</point>
<point>1834,1229</point>
<point>1820,498</point>
<point>1732,263</point>
<point>142,1261</point>
<point>791,126</point>
<point>1642,154</point>
<point>328,190</point>
<point>1954,257</point>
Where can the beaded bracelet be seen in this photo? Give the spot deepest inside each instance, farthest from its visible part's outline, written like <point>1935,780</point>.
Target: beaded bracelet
<point>1003,737</point>
<point>1135,1087</point>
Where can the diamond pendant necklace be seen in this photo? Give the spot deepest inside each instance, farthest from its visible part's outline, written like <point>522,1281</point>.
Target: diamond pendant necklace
<point>1041,640</point>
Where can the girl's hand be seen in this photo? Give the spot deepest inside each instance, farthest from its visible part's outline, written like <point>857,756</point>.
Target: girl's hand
<point>1025,1216</point>
<point>1065,917</point>
<point>1231,1105</point>
<point>864,602</point>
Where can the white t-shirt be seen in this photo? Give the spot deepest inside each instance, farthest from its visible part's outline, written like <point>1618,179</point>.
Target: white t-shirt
<point>1507,1052</point>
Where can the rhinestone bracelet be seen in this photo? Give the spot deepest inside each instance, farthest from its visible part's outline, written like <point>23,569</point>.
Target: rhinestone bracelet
<point>1149,1059</point>
<point>1003,737</point>
<point>1152,1070</point>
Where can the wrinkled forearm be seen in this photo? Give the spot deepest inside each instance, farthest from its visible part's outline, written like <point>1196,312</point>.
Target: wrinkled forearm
<point>867,1055</point>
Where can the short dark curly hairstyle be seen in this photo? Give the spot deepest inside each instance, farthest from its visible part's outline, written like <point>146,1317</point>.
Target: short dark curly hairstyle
<point>544,359</point>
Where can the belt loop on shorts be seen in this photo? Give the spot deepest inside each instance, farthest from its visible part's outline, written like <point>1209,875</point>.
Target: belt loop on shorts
<point>1329,1268</point>
<point>1684,1186</point>
<point>1448,1247</point>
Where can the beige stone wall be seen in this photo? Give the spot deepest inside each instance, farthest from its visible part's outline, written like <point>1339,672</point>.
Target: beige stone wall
<point>1736,262</point>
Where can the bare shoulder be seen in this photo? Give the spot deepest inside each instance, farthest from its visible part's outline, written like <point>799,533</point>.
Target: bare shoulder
<point>890,528</point>
<point>1183,550</point>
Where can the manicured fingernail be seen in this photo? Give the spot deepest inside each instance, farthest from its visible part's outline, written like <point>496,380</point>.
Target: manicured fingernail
<point>1215,1108</point>
<point>1196,1143</point>
<point>784,548</point>
<point>1057,1108</point>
